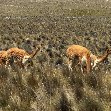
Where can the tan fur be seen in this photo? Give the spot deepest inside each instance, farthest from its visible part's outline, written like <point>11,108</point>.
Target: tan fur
<point>82,53</point>
<point>19,54</point>
<point>3,58</point>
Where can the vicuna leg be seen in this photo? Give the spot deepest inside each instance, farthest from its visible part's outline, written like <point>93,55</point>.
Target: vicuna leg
<point>88,63</point>
<point>70,64</point>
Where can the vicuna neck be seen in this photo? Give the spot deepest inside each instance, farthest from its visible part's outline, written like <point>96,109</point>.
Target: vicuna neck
<point>35,52</point>
<point>103,57</point>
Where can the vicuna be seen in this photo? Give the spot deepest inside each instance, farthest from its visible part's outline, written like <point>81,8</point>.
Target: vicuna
<point>82,54</point>
<point>19,56</point>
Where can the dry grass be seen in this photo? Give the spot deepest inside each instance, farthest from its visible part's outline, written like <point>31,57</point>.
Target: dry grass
<point>49,85</point>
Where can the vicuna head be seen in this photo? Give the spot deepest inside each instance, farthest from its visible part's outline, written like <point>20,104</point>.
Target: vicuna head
<point>98,59</point>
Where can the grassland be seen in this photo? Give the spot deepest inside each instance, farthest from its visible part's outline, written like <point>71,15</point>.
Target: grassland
<point>49,85</point>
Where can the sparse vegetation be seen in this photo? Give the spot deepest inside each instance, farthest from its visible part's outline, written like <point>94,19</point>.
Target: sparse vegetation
<point>49,85</point>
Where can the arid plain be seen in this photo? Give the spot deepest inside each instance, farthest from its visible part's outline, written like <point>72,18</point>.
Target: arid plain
<point>49,85</point>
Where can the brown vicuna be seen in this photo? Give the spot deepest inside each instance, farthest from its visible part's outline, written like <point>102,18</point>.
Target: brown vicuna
<point>19,56</point>
<point>82,54</point>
